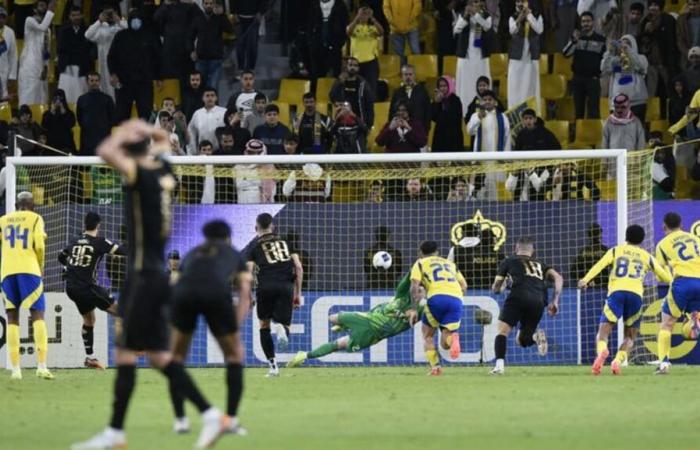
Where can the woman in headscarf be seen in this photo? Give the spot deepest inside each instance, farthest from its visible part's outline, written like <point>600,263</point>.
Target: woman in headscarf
<point>627,69</point>
<point>446,112</point>
<point>526,27</point>
<point>58,122</point>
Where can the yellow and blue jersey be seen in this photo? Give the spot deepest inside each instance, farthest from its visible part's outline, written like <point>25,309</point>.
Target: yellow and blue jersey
<point>680,251</point>
<point>23,244</point>
<point>630,263</point>
<point>439,276</point>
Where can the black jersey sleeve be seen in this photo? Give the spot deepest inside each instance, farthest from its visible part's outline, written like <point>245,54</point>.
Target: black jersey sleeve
<point>64,254</point>
<point>504,268</point>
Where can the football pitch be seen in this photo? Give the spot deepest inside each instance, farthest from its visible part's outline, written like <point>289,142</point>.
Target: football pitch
<point>375,408</point>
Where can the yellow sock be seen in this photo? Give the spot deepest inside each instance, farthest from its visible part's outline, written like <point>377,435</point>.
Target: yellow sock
<point>41,340</point>
<point>13,344</point>
<point>433,358</point>
<point>621,356</point>
<point>664,345</point>
<point>601,346</point>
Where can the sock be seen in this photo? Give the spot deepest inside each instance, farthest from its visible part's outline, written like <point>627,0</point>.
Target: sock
<point>500,346</point>
<point>13,345</point>
<point>286,330</point>
<point>41,342</point>
<point>266,342</point>
<point>177,400</point>
<point>323,350</point>
<point>664,345</point>
<point>433,358</point>
<point>621,356</point>
<point>88,339</point>
<point>601,346</point>
<point>183,384</point>
<point>234,380</point>
<point>123,387</point>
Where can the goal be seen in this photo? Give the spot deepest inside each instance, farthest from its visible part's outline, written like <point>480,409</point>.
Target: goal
<point>336,211</point>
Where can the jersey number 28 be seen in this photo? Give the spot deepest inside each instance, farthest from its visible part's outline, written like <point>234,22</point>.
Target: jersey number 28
<point>17,233</point>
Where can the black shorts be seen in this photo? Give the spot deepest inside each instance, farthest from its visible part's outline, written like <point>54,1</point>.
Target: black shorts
<point>89,297</point>
<point>216,307</point>
<point>527,311</point>
<point>275,302</point>
<point>143,309</point>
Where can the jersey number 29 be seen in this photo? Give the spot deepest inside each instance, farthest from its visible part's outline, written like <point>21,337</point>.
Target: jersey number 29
<point>17,233</point>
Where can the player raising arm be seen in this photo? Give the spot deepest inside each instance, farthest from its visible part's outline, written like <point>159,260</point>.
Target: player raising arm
<point>630,264</point>
<point>680,251</point>
<point>526,301</point>
<point>23,247</point>
<point>445,287</point>
<point>367,328</point>
<point>81,259</point>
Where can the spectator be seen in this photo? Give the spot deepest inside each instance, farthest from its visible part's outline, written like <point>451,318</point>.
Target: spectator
<point>33,62</point>
<point>618,22</point>
<point>178,122</point>
<point>688,27</point>
<point>133,72</point>
<point>375,193</point>
<point>58,122</point>
<point>249,13</point>
<point>526,27</point>
<point>678,101</point>
<point>414,191</point>
<point>192,95</point>
<point>102,33</point>
<point>403,17</point>
<point>23,9</point>
<point>206,43</point>
<point>444,16</point>
<point>74,56</point>
<point>166,122</point>
<point>352,88</point>
<point>588,256</point>
<point>402,134</point>
<point>254,182</point>
<point>257,115</point>
<point>490,127</point>
<point>205,121</point>
<point>483,84</point>
<point>598,8</point>
<point>534,136</point>
<point>327,34</point>
<point>663,169</point>
<point>382,278</point>
<point>622,129</point>
<point>349,131</point>
<point>568,183</point>
<point>658,44</point>
<point>459,190</point>
<point>587,48</point>
<point>203,189</point>
<point>563,14</point>
<point>414,95</point>
<point>627,68</point>
<point>8,56</point>
<point>313,128</point>
<point>95,114</point>
<point>271,133</point>
<point>227,142</point>
<point>691,74</point>
<point>244,100</point>
<point>233,122</point>
<point>472,30</point>
<point>364,31</point>
<point>26,127</point>
<point>300,57</point>
<point>173,18</point>
<point>312,188</point>
<point>446,112</point>
<point>291,144</point>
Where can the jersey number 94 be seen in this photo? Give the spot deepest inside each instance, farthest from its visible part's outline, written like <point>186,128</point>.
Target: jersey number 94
<point>16,233</point>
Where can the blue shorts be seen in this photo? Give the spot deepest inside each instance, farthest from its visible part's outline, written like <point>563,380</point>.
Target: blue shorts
<point>623,305</point>
<point>443,311</point>
<point>24,290</point>
<point>684,296</point>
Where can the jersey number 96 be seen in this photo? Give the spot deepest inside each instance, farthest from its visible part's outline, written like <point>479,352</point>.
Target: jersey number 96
<point>16,233</point>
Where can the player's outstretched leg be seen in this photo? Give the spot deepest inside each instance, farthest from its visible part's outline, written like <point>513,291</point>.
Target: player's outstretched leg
<point>320,351</point>
<point>500,347</point>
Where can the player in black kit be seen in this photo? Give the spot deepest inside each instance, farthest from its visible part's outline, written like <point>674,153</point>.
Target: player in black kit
<point>279,277</point>
<point>526,301</point>
<point>204,287</point>
<point>81,259</point>
<point>132,150</point>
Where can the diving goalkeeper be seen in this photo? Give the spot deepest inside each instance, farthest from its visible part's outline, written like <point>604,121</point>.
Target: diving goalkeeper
<point>367,328</point>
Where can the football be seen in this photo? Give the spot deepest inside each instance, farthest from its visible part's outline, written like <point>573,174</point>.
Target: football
<point>381,260</point>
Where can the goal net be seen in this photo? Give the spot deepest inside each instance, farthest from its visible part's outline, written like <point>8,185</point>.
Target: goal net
<point>338,211</point>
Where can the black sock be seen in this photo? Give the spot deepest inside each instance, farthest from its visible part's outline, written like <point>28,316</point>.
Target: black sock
<point>266,342</point>
<point>286,330</point>
<point>234,379</point>
<point>500,346</point>
<point>123,387</point>
<point>88,339</point>
<point>181,382</point>
<point>177,399</point>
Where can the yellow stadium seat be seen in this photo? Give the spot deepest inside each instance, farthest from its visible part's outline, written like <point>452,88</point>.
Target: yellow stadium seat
<point>544,64</point>
<point>6,112</point>
<point>372,145</point>
<point>562,66</point>
<point>134,111</point>
<point>499,65</point>
<point>658,125</point>
<point>323,89</point>
<point>449,65</point>
<point>560,129</point>
<point>73,107</point>
<point>322,108</point>
<point>381,114</point>
<point>76,137</point>
<point>284,115</point>
<point>653,109</point>
<point>467,140</point>
<point>170,88</point>
<point>389,66</point>
<point>553,87</point>
<point>291,90</point>
<point>604,105</point>
<point>565,109</point>
<point>38,112</point>
<point>426,66</point>
<point>589,133</point>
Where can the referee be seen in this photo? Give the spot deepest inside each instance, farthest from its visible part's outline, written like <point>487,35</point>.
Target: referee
<point>279,278</point>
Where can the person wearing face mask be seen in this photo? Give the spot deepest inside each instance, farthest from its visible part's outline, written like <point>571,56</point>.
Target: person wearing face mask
<point>33,63</point>
<point>206,44</point>
<point>8,55</point>
<point>134,63</point>
<point>74,56</point>
<point>102,33</point>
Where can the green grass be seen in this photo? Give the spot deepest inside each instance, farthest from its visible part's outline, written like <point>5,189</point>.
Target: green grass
<point>376,408</point>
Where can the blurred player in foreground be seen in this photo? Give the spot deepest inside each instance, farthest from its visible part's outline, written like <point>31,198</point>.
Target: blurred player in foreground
<point>630,264</point>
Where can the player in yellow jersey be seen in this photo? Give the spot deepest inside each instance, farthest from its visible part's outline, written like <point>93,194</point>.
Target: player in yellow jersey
<point>680,251</point>
<point>23,245</point>
<point>630,264</point>
<point>445,287</point>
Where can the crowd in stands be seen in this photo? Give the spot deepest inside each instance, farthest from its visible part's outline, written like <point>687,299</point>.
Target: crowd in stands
<point>389,76</point>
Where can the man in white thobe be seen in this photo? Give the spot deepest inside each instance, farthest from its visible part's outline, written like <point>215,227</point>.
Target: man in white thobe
<point>33,63</point>
<point>205,121</point>
<point>102,33</point>
<point>8,55</point>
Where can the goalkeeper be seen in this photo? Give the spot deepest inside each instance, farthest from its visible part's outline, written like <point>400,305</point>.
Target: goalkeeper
<point>367,328</point>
